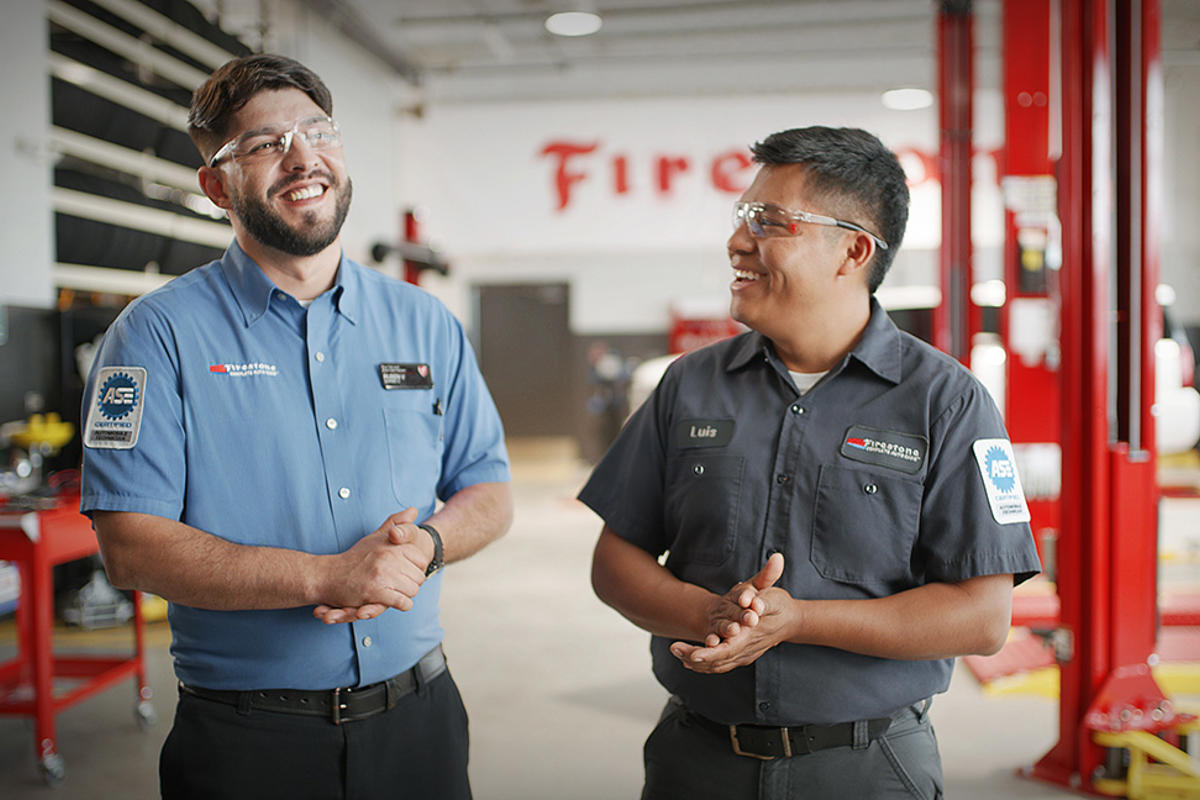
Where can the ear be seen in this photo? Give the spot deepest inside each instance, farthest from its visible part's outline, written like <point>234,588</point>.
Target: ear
<point>859,251</point>
<point>212,183</point>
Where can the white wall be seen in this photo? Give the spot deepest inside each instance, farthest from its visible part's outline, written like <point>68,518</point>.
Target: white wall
<point>26,220</point>
<point>489,198</point>
<point>1181,188</point>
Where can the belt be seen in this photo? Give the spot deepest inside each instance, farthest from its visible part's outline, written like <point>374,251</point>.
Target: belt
<point>344,704</point>
<point>768,742</point>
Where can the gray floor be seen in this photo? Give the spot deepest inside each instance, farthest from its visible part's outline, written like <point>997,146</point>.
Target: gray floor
<point>558,686</point>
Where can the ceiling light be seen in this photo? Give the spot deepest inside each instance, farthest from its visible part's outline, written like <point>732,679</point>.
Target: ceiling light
<point>907,99</point>
<point>573,23</point>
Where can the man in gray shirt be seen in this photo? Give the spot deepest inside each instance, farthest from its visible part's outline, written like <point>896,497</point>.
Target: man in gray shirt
<point>854,487</point>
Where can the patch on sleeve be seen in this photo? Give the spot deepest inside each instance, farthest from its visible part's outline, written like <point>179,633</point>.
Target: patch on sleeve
<point>998,469</point>
<point>115,410</point>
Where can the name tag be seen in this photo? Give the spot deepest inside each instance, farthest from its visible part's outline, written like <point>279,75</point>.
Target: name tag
<point>703,432</point>
<point>405,376</point>
<point>900,451</point>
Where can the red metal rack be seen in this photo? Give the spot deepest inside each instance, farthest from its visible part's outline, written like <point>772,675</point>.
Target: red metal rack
<point>36,541</point>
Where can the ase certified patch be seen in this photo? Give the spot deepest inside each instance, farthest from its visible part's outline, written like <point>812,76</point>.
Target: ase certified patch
<point>405,376</point>
<point>999,471</point>
<point>703,432</point>
<point>115,410</point>
<point>900,451</point>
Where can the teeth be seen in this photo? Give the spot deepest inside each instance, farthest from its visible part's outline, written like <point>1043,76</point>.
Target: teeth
<point>305,193</point>
<point>743,275</point>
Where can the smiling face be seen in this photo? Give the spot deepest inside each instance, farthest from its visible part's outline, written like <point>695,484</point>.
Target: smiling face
<point>785,280</point>
<point>295,203</point>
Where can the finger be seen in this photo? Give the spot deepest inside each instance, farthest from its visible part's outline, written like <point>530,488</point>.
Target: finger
<point>750,618</point>
<point>370,610</point>
<point>712,640</point>
<point>747,596</point>
<point>400,533</point>
<point>407,515</point>
<point>770,572</point>
<point>320,611</point>
<point>758,606</point>
<point>682,650</point>
<point>727,629</point>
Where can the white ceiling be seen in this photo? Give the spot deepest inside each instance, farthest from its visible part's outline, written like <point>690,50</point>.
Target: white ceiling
<point>499,50</point>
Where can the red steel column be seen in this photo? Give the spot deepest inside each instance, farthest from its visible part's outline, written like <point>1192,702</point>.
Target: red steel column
<point>1085,210</point>
<point>956,81</point>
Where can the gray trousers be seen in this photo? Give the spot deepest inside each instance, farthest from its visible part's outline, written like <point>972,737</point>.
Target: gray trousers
<point>689,760</point>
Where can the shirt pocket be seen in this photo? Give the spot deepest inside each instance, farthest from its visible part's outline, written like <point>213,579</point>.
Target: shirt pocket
<point>702,500</point>
<point>864,527</point>
<point>414,442</point>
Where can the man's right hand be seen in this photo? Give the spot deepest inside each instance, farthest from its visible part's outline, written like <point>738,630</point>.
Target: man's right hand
<point>383,570</point>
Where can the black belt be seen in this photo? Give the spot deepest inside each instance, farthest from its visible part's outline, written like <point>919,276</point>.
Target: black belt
<point>768,742</point>
<point>344,704</point>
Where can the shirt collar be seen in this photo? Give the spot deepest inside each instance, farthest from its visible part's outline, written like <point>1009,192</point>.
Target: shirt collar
<point>253,290</point>
<point>878,349</point>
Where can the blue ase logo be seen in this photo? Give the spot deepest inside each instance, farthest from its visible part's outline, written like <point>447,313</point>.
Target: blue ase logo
<point>1000,470</point>
<point>118,396</point>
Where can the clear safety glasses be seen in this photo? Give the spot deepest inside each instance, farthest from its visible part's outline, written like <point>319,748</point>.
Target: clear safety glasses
<point>265,144</point>
<point>764,220</point>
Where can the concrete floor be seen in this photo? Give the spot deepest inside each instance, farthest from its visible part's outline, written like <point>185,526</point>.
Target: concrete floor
<point>558,686</point>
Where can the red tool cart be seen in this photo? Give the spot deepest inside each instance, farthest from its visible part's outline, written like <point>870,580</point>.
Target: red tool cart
<point>36,541</point>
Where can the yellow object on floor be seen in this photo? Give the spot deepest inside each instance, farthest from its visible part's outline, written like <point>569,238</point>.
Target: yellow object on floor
<point>1172,775</point>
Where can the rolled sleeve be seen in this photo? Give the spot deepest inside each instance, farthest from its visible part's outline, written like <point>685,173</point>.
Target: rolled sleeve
<point>959,536</point>
<point>150,476</point>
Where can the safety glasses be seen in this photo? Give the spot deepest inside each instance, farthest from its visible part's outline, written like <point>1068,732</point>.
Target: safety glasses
<point>764,220</point>
<point>265,144</point>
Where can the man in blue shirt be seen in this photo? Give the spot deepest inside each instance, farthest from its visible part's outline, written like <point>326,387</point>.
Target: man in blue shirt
<point>266,440</point>
<point>854,487</point>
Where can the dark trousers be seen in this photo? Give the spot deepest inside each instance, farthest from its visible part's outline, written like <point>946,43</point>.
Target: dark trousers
<point>688,759</point>
<point>415,751</point>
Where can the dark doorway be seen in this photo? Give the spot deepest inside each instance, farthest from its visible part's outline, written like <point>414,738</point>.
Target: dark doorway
<point>525,350</point>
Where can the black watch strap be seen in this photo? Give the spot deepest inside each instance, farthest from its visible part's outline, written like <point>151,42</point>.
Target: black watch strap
<point>438,557</point>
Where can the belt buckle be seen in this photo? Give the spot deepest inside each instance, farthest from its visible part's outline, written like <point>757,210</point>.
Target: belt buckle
<point>737,746</point>
<point>337,706</point>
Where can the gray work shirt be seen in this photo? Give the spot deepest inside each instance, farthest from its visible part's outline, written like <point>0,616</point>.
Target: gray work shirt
<point>869,484</point>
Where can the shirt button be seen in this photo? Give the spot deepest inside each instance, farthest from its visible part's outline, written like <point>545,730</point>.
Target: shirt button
<point>797,409</point>
<point>331,423</point>
<point>698,469</point>
<point>764,706</point>
<point>344,493</point>
<point>366,641</point>
<point>319,356</point>
<point>870,488</point>
<point>782,479</point>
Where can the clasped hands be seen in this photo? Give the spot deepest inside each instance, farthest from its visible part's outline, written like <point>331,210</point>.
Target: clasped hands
<point>745,622</point>
<point>383,570</point>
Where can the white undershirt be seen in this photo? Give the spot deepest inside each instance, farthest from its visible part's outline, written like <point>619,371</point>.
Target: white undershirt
<point>806,380</point>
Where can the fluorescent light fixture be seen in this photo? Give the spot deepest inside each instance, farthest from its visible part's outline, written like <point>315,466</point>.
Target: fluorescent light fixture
<point>907,99</point>
<point>573,23</point>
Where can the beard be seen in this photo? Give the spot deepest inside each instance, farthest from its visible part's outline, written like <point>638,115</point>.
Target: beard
<point>311,237</point>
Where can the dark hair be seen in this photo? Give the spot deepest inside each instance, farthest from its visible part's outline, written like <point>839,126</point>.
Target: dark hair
<point>233,84</point>
<point>856,173</point>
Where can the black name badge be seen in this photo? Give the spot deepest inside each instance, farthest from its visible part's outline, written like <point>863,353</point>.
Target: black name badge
<point>405,376</point>
<point>703,432</point>
<point>893,449</point>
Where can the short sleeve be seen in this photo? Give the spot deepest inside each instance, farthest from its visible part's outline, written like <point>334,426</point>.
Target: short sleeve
<point>145,470</point>
<point>626,489</point>
<point>960,536</point>
<point>474,436</point>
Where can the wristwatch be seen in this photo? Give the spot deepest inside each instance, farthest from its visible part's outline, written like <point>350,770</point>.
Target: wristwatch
<point>438,560</point>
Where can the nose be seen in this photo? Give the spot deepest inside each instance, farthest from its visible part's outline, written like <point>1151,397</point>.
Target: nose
<point>300,155</point>
<point>740,241</point>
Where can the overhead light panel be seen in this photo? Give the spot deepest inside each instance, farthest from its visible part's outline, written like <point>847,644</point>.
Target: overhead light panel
<point>907,99</point>
<point>573,23</point>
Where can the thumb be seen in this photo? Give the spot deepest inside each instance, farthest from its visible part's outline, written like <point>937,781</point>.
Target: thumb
<point>407,515</point>
<point>770,572</point>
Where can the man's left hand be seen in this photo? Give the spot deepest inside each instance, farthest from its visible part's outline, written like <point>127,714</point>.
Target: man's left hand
<point>765,621</point>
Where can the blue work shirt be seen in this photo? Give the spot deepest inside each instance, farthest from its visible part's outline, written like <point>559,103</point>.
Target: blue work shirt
<point>894,471</point>
<point>218,400</point>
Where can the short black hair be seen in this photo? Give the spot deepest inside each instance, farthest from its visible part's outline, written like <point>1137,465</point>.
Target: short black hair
<point>233,84</point>
<point>854,171</point>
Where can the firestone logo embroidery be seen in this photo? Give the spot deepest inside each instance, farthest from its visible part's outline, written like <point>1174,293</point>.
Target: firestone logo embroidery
<point>868,445</point>
<point>245,370</point>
